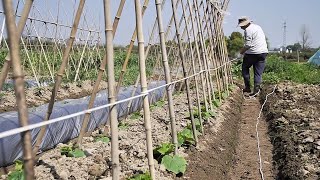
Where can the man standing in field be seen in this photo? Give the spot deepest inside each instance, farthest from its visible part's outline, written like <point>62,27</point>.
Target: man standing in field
<point>255,51</point>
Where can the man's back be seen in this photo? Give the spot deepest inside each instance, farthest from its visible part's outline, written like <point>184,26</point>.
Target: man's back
<point>255,40</point>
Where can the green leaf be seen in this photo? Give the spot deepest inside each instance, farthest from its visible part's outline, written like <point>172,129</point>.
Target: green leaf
<point>180,140</point>
<point>18,165</point>
<point>135,115</point>
<point>198,125</point>
<point>216,103</point>
<point>224,95</point>
<point>123,125</point>
<point>185,137</point>
<point>76,153</point>
<point>145,176</point>
<point>65,150</point>
<point>164,149</point>
<point>175,164</point>
<point>16,175</point>
<point>103,139</point>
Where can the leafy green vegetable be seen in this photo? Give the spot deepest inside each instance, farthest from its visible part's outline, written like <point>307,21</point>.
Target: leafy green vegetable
<point>123,125</point>
<point>185,137</point>
<point>164,149</point>
<point>102,139</point>
<point>136,115</point>
<point>175,164</point>
<point>216,103</point>
<point>71,152</point>
<point>18,173</point>
<point>76,153</point>
<point>145,176</point>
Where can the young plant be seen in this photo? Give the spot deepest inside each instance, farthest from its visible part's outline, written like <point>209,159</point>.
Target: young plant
<point>216,103</point>
<point>17,173</point>
<point>157,104</point>
<point>207,115</point>
<point>224,95</point>
<point>232,87</point>
<point>71,151</point>
<point>185,137</point>
<point>164,149</point>
<point>123,125</point>
<point>103,139</point>
<point>175,164</point>
<point>144,176</point>
<point>198,125</point>
<point>136,115</point>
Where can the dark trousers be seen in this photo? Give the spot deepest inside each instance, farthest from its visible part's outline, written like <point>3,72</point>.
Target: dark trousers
<point>258,61</point>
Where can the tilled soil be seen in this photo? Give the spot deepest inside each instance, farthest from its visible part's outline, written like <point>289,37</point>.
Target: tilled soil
<point>216,148</point>
<point>133,157</point>
<point>293,116</point>
<point>227,150</point>
<point>246,161</point>
<point>39,96</point>
<point>230,152</point>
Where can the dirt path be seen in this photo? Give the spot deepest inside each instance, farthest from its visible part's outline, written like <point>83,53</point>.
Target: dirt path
<point>231,151</point>
<point>246,165</point>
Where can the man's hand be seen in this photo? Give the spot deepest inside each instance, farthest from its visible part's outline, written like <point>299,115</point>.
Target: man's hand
<point>243,50</point>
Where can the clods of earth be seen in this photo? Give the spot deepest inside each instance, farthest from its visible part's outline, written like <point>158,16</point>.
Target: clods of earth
<point>293,115</point>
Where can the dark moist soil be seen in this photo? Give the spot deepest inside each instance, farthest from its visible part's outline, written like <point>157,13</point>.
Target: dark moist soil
<point>214,160</point>
<point>293,115</point>
<point>230,152</point>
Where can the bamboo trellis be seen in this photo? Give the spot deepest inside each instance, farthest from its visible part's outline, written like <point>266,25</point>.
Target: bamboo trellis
<point>190,46</point>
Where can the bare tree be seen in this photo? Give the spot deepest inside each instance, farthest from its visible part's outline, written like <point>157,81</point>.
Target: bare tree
<point>305,37</point>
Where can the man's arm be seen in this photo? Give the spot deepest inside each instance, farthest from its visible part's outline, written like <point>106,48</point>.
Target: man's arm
<point>243,50</point>
<point>248,42</point>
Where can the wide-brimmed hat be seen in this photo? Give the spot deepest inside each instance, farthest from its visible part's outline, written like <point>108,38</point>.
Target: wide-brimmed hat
<point>243,21</point>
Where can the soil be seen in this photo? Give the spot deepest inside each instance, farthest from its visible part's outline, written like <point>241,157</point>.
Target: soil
<point>231,151</point>
<point>39,96</point>
<point>293,116</point>
<point>222,153</point>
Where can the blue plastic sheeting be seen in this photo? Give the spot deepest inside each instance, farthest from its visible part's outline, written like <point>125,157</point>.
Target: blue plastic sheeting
<point>63,131</point>
<point>315,59</point>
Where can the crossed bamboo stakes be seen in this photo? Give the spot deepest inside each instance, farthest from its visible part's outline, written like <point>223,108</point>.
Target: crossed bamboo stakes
<point>198,48</point>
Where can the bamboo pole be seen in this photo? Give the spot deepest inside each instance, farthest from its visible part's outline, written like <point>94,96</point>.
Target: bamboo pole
<point>144,87</point>
<point>60,74</point>
<point>220,48</point>
<point>81,57</point>
<point>211,20</point>
<point>181,54</point>
<point>167,75</point>
<point>216,31</point>
<point>193,65</point>
<point>13,35</point>
<point>111,92</point>
<point>98,81</point>
<point>118,16</point>
<point>21,25</point>
<point>204,52</point>
<point>198,55</point>
<point>209,29</point>
<point>126,61</point>
<point>147,53</point>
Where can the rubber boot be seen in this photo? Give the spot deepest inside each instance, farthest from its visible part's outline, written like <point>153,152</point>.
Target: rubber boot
<point>256,90</point>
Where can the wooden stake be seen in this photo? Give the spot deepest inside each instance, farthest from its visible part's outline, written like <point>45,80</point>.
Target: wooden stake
<point>18,76</point>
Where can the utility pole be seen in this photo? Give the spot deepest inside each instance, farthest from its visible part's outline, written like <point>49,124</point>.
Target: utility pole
<point>285,38</point>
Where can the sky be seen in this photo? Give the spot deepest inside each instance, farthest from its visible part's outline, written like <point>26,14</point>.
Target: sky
<point>271,15</point>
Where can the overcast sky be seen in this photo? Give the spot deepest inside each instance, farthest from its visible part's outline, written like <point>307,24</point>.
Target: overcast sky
<point>271,14</point>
